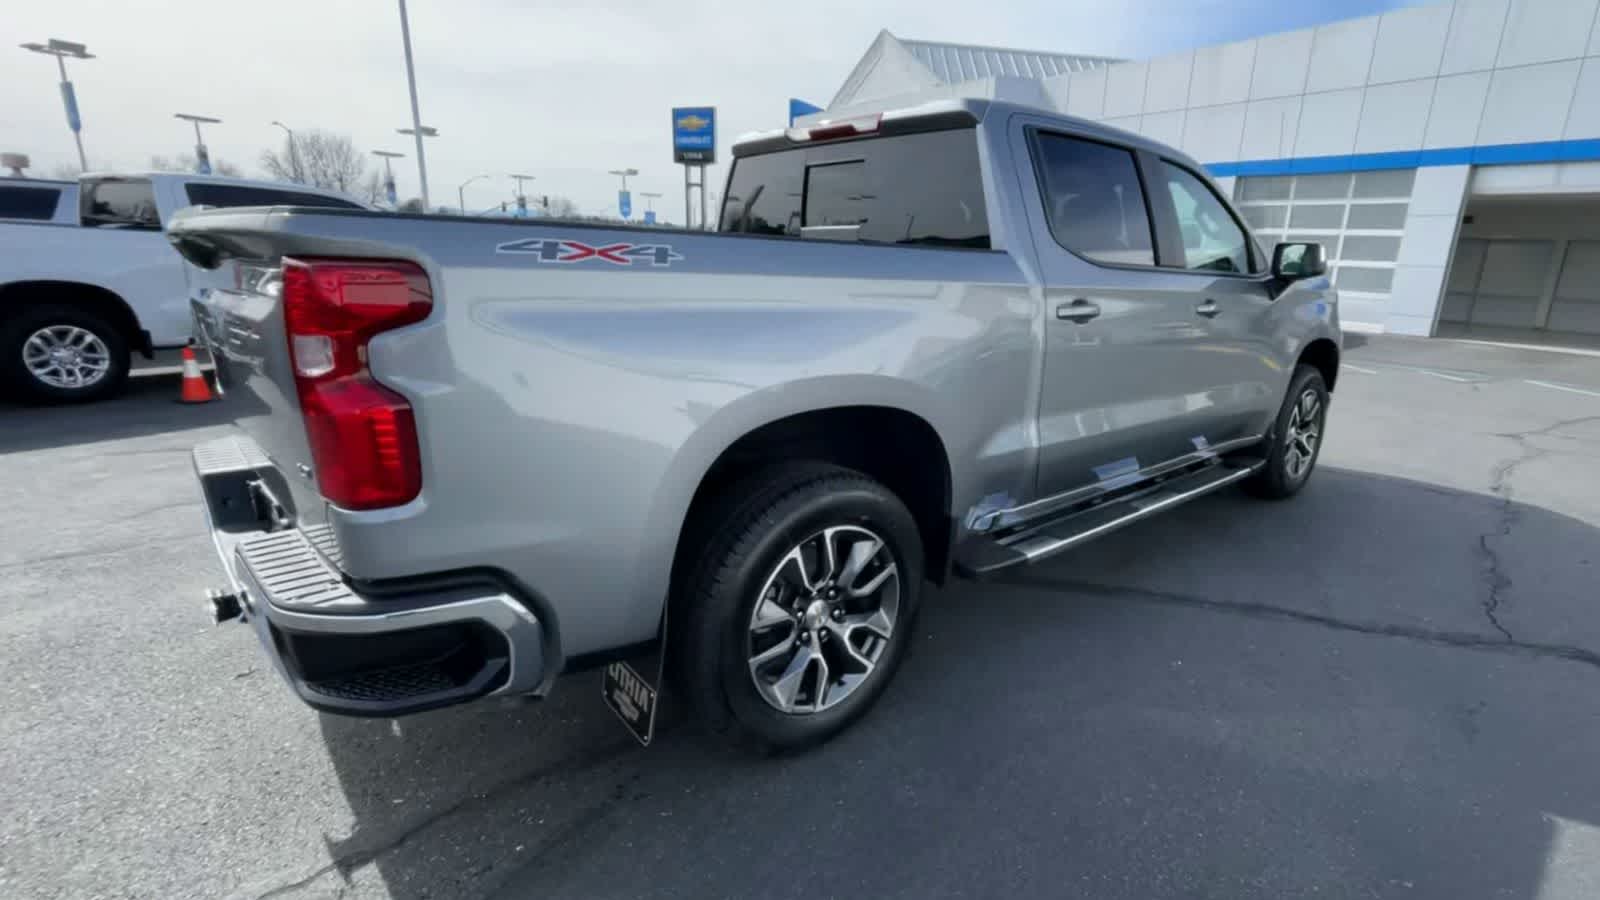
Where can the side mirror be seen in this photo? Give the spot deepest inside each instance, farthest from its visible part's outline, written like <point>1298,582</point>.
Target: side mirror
<point>1292,262</point>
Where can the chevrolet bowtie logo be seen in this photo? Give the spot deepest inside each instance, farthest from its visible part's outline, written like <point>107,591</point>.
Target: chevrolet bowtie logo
<point>693,123</point>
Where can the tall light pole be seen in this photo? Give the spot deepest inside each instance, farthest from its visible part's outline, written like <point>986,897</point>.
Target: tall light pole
<point>420,132</point>
<point>61,50</point>
<point>461,192</point>
<point>416,115</point>
<point>294,155</point>
<point>388,176</point>
<point>522,199</point>
<point>649,206</point>
<point>202,159</point>
<point>624,202</point>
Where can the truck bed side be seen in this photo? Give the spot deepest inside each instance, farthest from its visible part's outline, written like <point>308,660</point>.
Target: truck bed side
<point>573,384</point>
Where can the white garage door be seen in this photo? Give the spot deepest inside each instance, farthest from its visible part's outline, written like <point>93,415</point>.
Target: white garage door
<point>1359,218</point>
<point>1501,283</point>
<point>1576,306</point>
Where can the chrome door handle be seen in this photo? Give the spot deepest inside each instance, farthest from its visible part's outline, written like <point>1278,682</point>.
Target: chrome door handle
<point>1079,310</point>
<point>1209,309</point>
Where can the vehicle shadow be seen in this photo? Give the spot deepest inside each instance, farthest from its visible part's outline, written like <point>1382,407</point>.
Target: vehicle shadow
<point>147,407</point>
<point>1239,699</point>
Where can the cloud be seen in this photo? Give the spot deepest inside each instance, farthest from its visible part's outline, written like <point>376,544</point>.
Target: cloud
<point>560,90</point>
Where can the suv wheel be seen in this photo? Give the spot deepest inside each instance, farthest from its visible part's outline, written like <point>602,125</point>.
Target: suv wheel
<point>1296,439</point>
<point>800,608</point>
<point>60,354</point>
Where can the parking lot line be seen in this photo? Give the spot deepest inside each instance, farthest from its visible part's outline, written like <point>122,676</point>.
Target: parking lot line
<point>1561,387</point>
<point>1360,369</point>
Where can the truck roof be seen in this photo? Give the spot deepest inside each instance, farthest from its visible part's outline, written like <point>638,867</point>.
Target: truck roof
<point>952,113</point>
<point>195,177</point>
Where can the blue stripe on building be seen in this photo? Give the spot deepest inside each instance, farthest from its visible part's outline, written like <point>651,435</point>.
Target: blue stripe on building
<point>1488,155</point>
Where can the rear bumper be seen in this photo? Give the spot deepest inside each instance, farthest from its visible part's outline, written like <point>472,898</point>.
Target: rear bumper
<point>349,652</point>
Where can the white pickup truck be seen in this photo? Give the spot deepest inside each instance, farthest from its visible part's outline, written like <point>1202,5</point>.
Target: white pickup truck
<point>87,278</point>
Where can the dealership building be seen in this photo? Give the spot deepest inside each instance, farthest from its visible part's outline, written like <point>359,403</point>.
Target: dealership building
<point>1447,156</point>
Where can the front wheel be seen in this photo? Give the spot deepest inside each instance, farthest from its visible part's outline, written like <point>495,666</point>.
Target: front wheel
<point>1296,440</point>
<point>800,607</point>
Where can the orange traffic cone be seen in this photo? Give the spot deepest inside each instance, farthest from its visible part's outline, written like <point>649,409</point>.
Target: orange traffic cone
<point>195,388</point>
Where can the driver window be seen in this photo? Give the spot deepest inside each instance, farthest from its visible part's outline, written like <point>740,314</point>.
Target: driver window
<point>1212,240</point>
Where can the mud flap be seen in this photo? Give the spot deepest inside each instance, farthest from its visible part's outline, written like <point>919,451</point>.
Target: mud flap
<point>633,696</point>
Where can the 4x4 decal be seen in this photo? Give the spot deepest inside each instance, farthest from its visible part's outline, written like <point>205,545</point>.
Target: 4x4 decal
<point>562,250</point>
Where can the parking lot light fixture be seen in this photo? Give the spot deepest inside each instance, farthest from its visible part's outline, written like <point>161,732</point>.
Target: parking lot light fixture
<point>202,159</point>
<point>69,100</point>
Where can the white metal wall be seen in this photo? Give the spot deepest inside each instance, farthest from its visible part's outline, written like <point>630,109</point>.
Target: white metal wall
<point>1461,74</point>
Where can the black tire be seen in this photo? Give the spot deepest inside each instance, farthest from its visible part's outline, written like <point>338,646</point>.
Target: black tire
<point>764,517</point>
<point>30,388</point>
<point>1280,477</point>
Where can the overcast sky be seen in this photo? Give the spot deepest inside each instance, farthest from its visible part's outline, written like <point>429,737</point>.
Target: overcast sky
<point>560,90</point>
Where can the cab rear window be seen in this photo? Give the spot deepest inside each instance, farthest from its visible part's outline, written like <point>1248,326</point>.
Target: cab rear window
<point>907,189</point>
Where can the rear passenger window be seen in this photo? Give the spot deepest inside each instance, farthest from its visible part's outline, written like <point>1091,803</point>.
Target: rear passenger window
<point>901,189</point>
<point>1093,200</point>
<point>1212,240</point>
<point>229,195</point>
<point>28,202</point>
<point>121,203</point>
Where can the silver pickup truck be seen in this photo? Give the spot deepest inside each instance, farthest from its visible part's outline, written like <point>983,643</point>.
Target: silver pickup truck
<point>949,340</point>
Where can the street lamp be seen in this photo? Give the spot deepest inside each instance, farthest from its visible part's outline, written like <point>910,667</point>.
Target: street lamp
<point>624,204</point>
<point>522,199</point>
<point>61,50</point>
<point>388,175</point>
<point>417,129</point>
<point>649,206</point>
<point>202,159</point>
<point>294,155</point>
<point>461,192</point>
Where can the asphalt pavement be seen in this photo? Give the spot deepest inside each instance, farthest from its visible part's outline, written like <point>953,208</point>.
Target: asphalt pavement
<point>1385,687</point>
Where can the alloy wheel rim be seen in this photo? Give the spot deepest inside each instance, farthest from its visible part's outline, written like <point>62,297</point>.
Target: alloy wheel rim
<point>823,619</point>
<point>1305,429</point>
<point>66,356</point>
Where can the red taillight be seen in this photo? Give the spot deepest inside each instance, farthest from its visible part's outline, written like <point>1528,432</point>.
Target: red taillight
<point>363,436</point>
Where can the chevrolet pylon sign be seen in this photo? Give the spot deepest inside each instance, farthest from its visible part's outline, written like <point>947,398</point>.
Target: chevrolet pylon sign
<point>694,134</point>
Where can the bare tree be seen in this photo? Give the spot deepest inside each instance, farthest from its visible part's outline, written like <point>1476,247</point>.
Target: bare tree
<point>558,207</point>
<point>325,160</point>
<point>414,205</point>
<point>184,162</point>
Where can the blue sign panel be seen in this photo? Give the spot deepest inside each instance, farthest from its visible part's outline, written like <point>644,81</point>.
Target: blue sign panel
<point>70,101</point>
<point>694,134</point>
<point>649,217</point>
<point>625,204</point>
<point>388,191</point>
<point>798,108</point>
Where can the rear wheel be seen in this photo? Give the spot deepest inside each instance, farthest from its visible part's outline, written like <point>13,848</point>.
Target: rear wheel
<point>800,607</point>
<point>55,353</point>
<point>1296,440</point>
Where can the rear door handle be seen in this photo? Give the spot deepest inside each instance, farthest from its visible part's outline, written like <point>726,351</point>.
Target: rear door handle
<point>1209,309</point>
<point>1079,310</point>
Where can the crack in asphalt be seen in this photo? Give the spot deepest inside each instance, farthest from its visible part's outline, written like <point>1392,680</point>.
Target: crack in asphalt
<point>347,862</point>
<point>1465,640</point>
<point>1494,577</point>
<point>1496,581</point>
